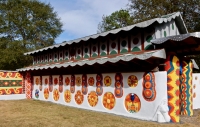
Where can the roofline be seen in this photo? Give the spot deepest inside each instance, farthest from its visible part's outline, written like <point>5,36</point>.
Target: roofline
<point>144,24</point>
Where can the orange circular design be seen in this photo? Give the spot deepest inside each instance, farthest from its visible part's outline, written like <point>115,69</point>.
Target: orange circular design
<point>78,81</point>
<point>147,77</point>
<point>92,98</point>
<point>46,93</point>
<point>56,95</point>
<point>147,93</point>
<point>98,83</point>
<point>118,84</point>
<point>107,81</point>
<point>132,103</point>
<point>108,100</point>
<point>67,96</point>
<point>46,81</point>
<point>55,81</point>
<point>79,97</point>
<point>67,81</point>
<point>194,95</point>
<point>37,81</point>
<point>91,81</point>
<point>132,81</point>
<point>147,85</point>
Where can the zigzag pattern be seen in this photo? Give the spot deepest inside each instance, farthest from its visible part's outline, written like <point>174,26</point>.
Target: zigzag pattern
<point>172,68</point>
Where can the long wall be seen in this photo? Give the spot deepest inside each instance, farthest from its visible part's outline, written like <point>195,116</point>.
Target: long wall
<point>11,85</point>
<point>138,95</point>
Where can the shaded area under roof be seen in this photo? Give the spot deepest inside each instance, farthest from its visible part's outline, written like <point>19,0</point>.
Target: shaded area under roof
<point>166,18</point>
<point>142,55</point>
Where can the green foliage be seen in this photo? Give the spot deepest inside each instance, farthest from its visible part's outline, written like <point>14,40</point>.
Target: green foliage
<point>116,20</point>
<point>143,10</point>
<point>26,25</point>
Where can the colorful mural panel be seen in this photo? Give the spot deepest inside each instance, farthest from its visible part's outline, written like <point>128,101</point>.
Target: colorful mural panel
<point>149,91</point>
<point>118,85</point>
<point>10,83</point>
<point>105,99</point>
<point>109,100</point>
<point>132,81</point>
<point>99,84</point>
<point>84,84</point>
<point>92,98</point>
<point>132,103</point>
<point>67,96</point>
<point>173,69</point>
<point>79,97</point>
<point>28,85</point>
<point>186,88</point>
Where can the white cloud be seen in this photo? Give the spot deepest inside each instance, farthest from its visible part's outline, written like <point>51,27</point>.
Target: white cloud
<point>81,17</point>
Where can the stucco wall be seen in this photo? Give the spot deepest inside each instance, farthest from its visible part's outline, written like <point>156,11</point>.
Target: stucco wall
<point>196,90</point>
<point>149,90</point>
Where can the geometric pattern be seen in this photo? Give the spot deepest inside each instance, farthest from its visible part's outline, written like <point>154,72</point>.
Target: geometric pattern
<point>109,100</point>
<point>28,85</point>
<point>99,84</point>
<point>11,83</point>
<point>92,98</point>
<point>186,88</point>
<point>173,69</point>
<point>118,85</point>
<point>149,91</point>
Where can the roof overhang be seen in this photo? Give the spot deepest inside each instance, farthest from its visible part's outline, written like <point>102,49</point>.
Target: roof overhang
<point>184,44</point>
<point>142,55</point>
<point>167,18</point>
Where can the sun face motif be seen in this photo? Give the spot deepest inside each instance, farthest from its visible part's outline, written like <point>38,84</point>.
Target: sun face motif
<point>67,96</point>
<point>46,93</point>
<point>78,81</point>
<point>92,98</point>
<point>56,95</point>
<point>107,81</point>
<point>132,81</point>
<point>79,97</point>
<point>67,81</point>
<point>108,100</point>
<point>91,81</point>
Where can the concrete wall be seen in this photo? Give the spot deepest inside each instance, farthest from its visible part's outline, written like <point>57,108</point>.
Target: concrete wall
<point>109,93</point>
<point>196,90</point>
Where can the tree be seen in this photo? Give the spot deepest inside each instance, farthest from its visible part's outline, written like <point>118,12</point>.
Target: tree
<point>116,20</point>
<point>143,10</point>
<point>26,25</point>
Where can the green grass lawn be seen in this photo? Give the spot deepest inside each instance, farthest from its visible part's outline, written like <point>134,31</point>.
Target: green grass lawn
<point>32,113</point>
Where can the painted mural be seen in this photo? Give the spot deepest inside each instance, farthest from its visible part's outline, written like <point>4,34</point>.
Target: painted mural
<point>10,83</point>
<point>173,82</point>
<point>103,95</point>
<point>186,88</point>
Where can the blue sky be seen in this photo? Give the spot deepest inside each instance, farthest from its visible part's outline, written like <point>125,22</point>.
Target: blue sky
<point>81,17</point>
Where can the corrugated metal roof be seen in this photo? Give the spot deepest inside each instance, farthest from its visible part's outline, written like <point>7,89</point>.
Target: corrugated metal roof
<point>176,38</point>
<point>142,55</point>
<point>167,18</point>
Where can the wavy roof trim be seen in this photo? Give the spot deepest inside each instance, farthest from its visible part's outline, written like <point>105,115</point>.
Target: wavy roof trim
<point>176,38</point>
<point>163,19</point>
<point>126,57</point>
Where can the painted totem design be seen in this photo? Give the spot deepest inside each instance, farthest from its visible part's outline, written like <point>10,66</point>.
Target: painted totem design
<point>118,85</point>
<point>72,84</point>
<point>50,83</point>
<point>99,84</point>
<point>60,83</point>
<point>84,84</point>
<point>173,69</point>
<point>186,88</point>
<point>149,91</point>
